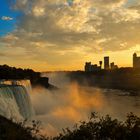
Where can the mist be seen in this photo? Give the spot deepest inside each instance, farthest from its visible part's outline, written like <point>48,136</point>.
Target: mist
<point>72,103</point>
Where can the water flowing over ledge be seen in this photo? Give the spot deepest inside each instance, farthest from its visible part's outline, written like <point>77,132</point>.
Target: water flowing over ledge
<point>15,99</point>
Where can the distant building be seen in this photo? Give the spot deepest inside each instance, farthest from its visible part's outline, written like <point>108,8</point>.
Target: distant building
<point>95,67</point>
<point>113,66</point>
<point>90,67</point>
<point>100,63</point>
<point>136,61</point>
<point>106,62</point>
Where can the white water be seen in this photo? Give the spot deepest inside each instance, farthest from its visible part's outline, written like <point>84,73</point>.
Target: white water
<point>15,100</point>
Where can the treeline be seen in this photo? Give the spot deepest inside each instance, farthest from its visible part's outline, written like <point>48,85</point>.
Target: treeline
<point>124,79</point>
<point>7,72</point>
<point>97,128</point>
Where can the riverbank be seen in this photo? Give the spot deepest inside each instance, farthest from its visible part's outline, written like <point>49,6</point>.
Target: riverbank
<point>122,79</point>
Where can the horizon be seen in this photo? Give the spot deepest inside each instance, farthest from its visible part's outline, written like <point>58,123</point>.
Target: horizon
<point>62,35</point>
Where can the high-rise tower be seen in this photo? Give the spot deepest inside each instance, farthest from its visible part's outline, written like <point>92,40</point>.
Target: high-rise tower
<point>106,62</point>
<point>136,61</point>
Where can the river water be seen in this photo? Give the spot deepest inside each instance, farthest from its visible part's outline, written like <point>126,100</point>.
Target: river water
<point>73,103</point>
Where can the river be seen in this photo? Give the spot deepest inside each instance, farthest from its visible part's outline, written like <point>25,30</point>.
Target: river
<point>73,103</point>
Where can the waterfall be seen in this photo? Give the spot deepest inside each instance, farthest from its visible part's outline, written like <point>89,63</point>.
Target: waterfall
<point>15,99</point>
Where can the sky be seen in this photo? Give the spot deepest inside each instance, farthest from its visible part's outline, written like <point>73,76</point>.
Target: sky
<point>49,35</point>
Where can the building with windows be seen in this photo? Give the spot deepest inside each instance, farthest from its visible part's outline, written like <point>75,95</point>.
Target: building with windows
<point>106,62</point>
<point>136,61</point>
<point>113,66</point>
<point>90,67</point>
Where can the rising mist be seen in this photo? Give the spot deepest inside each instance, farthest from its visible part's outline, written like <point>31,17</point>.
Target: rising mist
<point>72,103</point>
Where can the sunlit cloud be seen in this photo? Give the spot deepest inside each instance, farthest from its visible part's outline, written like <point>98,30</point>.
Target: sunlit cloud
<point>58,28</point>
<point>6,18</point>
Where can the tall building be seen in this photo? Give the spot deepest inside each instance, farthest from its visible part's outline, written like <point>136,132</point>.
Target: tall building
<point>88,66</point>
<point>112,65</point>
<point>136,61</point>
<point>106,62</point>
<point>100,63</point>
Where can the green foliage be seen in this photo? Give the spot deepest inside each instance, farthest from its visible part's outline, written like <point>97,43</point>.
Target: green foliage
<point>96,128</point>
<point>104,128</point>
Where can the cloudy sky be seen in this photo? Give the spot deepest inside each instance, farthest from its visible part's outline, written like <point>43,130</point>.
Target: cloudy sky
<point>63,34</point>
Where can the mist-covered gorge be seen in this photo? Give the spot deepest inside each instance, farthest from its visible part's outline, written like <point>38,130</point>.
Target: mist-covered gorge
<point>72,102</point>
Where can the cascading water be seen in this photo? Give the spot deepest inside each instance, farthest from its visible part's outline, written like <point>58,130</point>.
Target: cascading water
<point>15,100</point>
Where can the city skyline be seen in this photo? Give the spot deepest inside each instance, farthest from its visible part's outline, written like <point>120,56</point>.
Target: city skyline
<point>64,34</point>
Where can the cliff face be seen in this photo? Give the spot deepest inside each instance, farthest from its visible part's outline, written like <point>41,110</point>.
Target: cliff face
<point>7,72</point>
